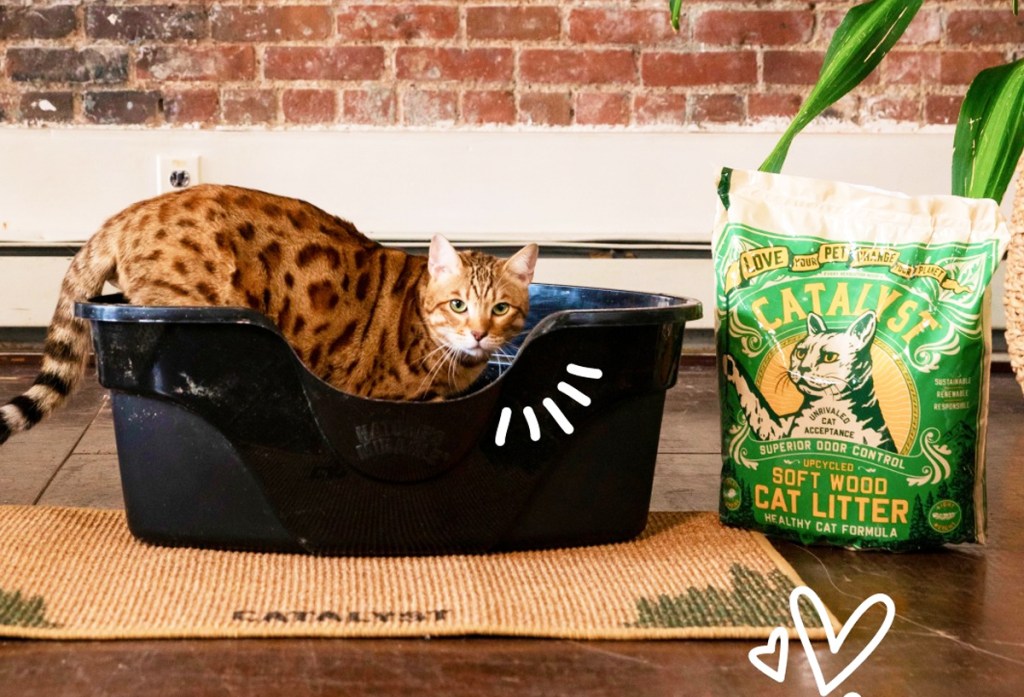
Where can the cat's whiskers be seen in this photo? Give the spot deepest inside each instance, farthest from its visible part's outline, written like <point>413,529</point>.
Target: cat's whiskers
<point>452,367</point>
<point>425,383</point>
<point>441,360</point>
<point>838,382</point>
<point>448,358</point>
<point>503,358</point>
<point>430,354</point>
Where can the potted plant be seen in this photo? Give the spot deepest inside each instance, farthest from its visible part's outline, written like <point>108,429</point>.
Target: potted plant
<point>987,143</point>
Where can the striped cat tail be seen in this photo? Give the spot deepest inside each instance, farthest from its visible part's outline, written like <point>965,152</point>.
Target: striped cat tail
<point>66,351</point>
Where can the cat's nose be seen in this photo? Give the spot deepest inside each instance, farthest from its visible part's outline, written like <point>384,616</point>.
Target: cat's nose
<point>478,335</point>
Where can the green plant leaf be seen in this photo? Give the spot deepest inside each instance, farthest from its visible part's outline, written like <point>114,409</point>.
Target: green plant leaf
<point>989,135</point>
<point>863,38</point>
<point>675,7</point>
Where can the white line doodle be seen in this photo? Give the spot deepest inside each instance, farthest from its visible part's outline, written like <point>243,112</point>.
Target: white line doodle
<point>573,393</point>
<point>779,638</point>
<point>503,422</point>
<point>581,371</point>
<point>531,421</point>
<point>557,415</point>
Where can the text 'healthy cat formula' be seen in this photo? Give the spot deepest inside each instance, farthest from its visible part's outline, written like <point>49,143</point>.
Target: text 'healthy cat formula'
<point>853,348</point>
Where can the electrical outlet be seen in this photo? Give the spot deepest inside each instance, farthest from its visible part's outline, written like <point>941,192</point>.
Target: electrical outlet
<point>175,173</point>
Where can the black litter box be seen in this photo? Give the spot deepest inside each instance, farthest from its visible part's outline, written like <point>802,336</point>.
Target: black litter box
<point>226,440</point>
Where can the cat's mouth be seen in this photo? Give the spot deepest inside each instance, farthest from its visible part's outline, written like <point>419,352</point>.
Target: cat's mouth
<point>471,358</point>
<point>810,381</point>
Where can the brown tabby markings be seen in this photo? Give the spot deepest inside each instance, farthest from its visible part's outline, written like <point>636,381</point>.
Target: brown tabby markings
<point>207,292</point>
<point>247,231</point>
<point>371,320</point>
<point>270,257</point>
<point>311,252</point>
<point>322,296</point>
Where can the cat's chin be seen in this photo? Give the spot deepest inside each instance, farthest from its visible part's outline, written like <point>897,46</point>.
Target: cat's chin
<point>472,358</point>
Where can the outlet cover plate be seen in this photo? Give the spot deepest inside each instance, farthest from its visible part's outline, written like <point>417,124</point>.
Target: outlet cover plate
<point>176,172</point>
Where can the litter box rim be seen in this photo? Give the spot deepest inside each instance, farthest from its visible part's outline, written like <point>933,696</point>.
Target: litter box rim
<point>114,308</point>
<point>663,309</point>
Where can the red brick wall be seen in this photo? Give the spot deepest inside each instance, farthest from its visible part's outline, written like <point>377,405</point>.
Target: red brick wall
<point>554,63</point>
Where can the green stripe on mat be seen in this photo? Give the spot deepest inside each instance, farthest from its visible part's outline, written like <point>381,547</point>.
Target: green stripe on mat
<point>72,573</point>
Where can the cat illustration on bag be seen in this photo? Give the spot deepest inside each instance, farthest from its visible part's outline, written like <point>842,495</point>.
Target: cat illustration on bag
<point>833,371</point>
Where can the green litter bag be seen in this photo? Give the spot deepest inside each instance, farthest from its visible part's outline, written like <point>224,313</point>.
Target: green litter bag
<point>853,347</point>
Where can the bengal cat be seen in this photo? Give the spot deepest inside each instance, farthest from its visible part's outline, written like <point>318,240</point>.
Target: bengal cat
<point>370,320</point>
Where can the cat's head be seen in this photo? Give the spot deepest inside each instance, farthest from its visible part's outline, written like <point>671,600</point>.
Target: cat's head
<point>832,361</point>
<point>474,303</point>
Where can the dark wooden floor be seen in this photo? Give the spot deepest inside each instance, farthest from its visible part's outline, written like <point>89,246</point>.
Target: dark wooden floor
<point>959,626</point>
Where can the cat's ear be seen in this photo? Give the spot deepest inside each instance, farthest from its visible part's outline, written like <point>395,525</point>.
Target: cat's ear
<point>523,263</point>
<point>444,258</point>
<point>815,324</point>
<point>863,328</point>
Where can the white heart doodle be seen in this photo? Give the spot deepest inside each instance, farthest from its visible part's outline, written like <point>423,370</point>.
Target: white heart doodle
<point>780,638</point>
<point>835,642</point>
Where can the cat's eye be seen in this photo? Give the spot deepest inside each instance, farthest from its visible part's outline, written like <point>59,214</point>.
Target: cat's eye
<point>829,356</point>
<point>458,306</point>
<point>800,353</point>
<point>501,309</point>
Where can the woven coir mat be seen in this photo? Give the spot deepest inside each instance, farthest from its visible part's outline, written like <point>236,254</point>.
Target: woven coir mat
<point>68,573</point>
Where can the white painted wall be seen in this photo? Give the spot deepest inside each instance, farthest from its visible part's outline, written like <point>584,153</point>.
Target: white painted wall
<point>60,184</point>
